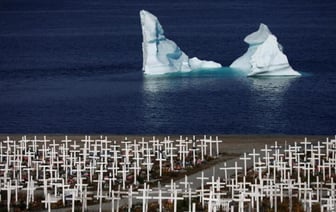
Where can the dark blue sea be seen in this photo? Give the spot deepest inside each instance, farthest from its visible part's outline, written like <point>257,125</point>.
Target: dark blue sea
<point>74,66</point>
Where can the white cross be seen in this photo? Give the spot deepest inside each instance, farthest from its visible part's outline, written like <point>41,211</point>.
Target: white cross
<point>28,169</point>
<point>225,168</point>
<point>283,168</point>
<point>126,150</point>
<point>305,189</point>
<point>2,154</point>
<point>307,167</point>
<point>171,154</point>
<point>64,187</point>
<point>160,158</point>
<point>194,149</point>
<point>210,141</point>
<point>137,157</point>
<point>332,187</point>
<point>154,143</point>
<point>289,157</point>
<point>79,169</point>
<point>319,154</point>
<point>148,162</point>
<point>100,183</point>
<point>202,146</point>
<point>174,190</point>
<point>50,200</point>
<point>45,141</point>
<point>20,167</point>
<point>318,188</point>
<point>260,167</point>
<point>245,158</point>
<point>202,178</point>
<point>45,184</point>
<point>327,144</point>
<point>273,192</point>
<point>113,198</point>
<point>36,163</point>
<point>298,163</point>
<point>115,152</point>
<point>180,144</point>
<point>73,192</point>
<point>166,142</point>
<point>84,150</point>
<point>91,168</point>
<point>300,186</point>
<point>305,143</point>
<point>81,187</point>
<point>266,150</point>
<point>16,188</point>
<point>53,153</point>
<point>105,150</point>
<point>232,187</point>
<point>214,200</point>
<point>124,171</point>
<point>110,179</point>
<point>160,196</point>
<point>210,145</point>
<point>115,170</point>
<point>145,196</point>
<point>217,145</point>
<point>324,166</point>
<point>289,185</point>
<point>185,183</point>
<point>143,144</point>
<point>243,185</point>
<point>66,141</point>
<point>330,205</point>
<point>136,169</point>
<point>254,154</point>
<point>267,158</point>
<point>9,187</point>
<point>241,199</point>
<point>30,191</point>
<point>255,194</point>
<point>130,197</point>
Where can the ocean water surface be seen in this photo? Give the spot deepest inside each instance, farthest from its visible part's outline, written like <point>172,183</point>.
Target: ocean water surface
<point>75,67</point>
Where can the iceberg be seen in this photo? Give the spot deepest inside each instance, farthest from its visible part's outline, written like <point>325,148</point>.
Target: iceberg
<point>264,56</point>
<point>161,55</point>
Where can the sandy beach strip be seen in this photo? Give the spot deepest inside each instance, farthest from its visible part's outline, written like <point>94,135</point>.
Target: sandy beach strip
<point>231,143</point>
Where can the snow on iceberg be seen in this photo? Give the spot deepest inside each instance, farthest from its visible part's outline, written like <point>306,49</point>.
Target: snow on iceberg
<point>264,56</point>
<point>161,55</point>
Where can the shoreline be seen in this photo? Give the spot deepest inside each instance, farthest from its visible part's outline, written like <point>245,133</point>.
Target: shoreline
<point>231,143</point>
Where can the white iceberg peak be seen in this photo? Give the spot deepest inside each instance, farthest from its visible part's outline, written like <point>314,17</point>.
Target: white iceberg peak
<point>264,56</point>
<point>152,30</point>
<point>259,36</point>
<point>161,55</point>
